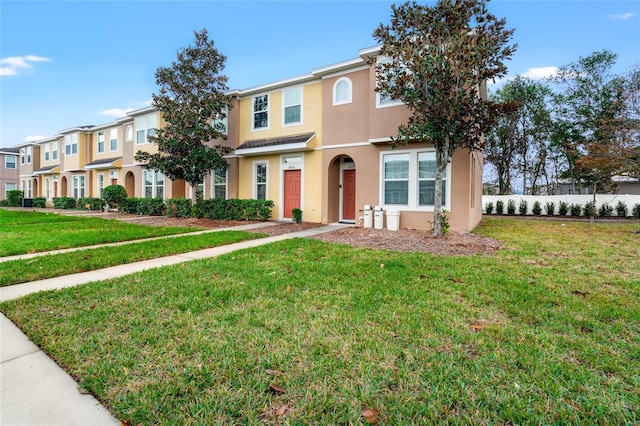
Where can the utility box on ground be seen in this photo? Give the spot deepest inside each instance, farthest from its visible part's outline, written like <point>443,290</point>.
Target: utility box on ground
<point>393,220</point>
<point>378,217</point>
<point>368,216</point>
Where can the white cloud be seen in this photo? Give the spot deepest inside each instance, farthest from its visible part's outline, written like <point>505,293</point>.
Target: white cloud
<point>622,17</point>
<point>541,72</point>
<point>14,64</point>
<point>116,112</point>
<point>34,138</point>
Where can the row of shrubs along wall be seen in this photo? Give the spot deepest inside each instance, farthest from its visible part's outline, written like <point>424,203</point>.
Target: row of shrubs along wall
<point>215,209</point>
<point>563,205</point>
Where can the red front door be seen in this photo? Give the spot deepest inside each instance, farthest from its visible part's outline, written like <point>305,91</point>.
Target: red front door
<point>349,195</point>
<point>291,191</point>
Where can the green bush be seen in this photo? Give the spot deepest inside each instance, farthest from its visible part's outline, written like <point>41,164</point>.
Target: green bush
<point>489,207</point>
<point>40,202</point>
<point>589,209</point>
<point>297,215</point>
<point>511,207</point>
<point>635,212</point>
<point>621,209</point>
<point>4,203</point>
<point>537,208</point>
<point>550,208</point>
<point>499,207</point>
<point>563,208</point>
<point>14,198</point>
<point>144,206</point>
<point>66,203</point>
<point>179,207</point>
<point>234,209</point>
<point>575,209</point>
<point>114,195</point>
<point>523,207</point>
<point>90,203</point>
<point>605,210</point>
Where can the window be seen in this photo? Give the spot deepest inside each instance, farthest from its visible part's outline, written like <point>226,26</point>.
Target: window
<point>261,112</point>
<point>113,139</point>
<point>100,142</point>
<point>383,99</point>
<point>113,177</point>
<point>47,188</point>
<point>408,179</point>
<point>221,122</point>
<point>396,179</point>
<point>153,184</point>
<point>54,150</point>
<point>260,181</point>
<point>78,186</point>
<point>100,184</point>
<point>9,187</point>
<point>10,161</point>
<point>145,126</point>
<point>129,133</point>
<point>219,184</point>
<point>71,144</point>
<point>342,91</point>
<point>292,104</point>
<point>29,155</point>
<point>22,155</point>
<point>25,184</point>
<point>46,152</point>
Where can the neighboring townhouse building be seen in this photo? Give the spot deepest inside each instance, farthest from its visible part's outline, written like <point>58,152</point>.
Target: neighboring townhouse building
<point>76,153</point>
<point>49,170</point>
<point>9,171</point>
<point>29,162</point>
<point>105,159</point>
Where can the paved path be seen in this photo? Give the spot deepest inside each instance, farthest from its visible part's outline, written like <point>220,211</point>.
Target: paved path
<point>34,390</point>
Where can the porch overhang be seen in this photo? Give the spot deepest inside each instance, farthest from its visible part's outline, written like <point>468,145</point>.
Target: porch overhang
<point>279,145</point>
<point>104,163</point>
<point>47,170</point>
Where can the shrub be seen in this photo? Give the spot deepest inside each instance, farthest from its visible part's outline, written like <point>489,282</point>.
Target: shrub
<point>114,195</point>
<point>297,215</point>
<point>537,208</point>
<point>144,206</point>
<point>40,202</point>
<point>511,207</point>
<point>563,208</point>
<point>635,212</point>
<point>489,207</point>
<point>90,203</point>
<point>550,208</point>
<point>234,209</point>
<point>4,203</point>
<point>179,207</point>
<point>500,207</point>
<point>605,210</point>
<point>575,209</point>
<point>621,209</point>
<point>66,203</point>
<point>14,198</point>
<point>523,208</point>
<point>589,209</point>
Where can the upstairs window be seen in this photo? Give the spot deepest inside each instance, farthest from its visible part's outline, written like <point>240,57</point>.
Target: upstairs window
<point>71,144</point>
<point>342,91</point>
<point>10,162</point>
<point>292,104</point>
<point>145,126</point>
<point>28,155</point>
<point>23,155</point>
<point>261,112</point>
<point>54,150</point>
<point>46,152</point>
<point>100,142</point>
<point>221,122</point>
<point>129,133</point>
<point>113,139</point>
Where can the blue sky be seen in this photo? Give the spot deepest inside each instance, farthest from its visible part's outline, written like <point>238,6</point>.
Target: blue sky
<point>65,64</point>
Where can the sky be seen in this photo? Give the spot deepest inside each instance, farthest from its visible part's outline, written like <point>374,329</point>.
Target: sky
<point>72,63</point>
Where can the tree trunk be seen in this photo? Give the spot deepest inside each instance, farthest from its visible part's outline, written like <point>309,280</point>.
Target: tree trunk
<point>442,159</point>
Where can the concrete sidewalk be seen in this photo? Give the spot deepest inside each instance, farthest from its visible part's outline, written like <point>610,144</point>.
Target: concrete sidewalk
<point>34,390</point>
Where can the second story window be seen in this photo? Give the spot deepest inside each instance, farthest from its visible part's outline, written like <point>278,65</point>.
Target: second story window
<point>46,152</point>
<point>28,155</point>
<point>23,155</point>
<point>10,162</point>
<point>145,126</point>
<point>261,112</point>
<point>221,122</point>
<point>129,133</point>
<point>100,142</point>
<point>113,139</point>
<point>71,144</point>
<point>54,150</point>
<point>292,105</point>
<point>342,91</point>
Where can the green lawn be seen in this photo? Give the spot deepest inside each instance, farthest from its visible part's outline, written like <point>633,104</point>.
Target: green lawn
<point>30,232</point>
<point>305,332</point>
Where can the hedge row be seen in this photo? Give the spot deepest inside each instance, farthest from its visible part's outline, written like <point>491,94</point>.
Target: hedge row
<point>564,209</point>
<point>215,209</point>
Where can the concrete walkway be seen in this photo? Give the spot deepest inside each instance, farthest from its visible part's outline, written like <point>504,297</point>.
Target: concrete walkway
<point>34,390</point>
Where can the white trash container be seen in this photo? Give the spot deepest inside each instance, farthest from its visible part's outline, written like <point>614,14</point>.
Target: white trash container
<point>393,220</point>
<point>368,216</point>
<point>378,217</point>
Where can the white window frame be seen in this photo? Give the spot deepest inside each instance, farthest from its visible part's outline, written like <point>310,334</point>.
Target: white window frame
<point>100,143</point>
<point>146,126</point>
<point>384,102</point>
<point>25,186</point>
<point>113,140</point>
<point>285,93</point>
<point>255,182</point>
<point>23,155</point>
<point>349,98</point>
<point>47,188</point>
<point>46,152</point>
<point>222,121</point>
<point>71,144</point>
<point>7,188</point>
<point>54,150</point>
<point>113,176</point>
<point>254,112</point>
<point>100,184</point>
<point>129,133</point>
<point>156,177</point>
<point>215,184</point>
<point>414,186</point>
<point>78,186</point>
<point>29,153</point>
<point>15,162</point>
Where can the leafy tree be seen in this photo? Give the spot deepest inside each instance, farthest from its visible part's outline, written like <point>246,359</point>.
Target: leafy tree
<point>439,58</point>
<point>191,97</point>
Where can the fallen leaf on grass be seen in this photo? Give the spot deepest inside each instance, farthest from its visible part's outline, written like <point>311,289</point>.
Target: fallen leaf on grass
<point>281,410</point>
<point>370,415</point>
<point>477,327</point>
<point>273,372</point>
<point>275,389</point>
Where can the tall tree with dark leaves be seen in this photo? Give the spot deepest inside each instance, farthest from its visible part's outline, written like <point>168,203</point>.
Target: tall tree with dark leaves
<point>192,97</point>
<point>438,59</point>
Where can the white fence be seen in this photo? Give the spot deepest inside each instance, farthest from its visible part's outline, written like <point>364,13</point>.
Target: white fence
<point>611,199</point>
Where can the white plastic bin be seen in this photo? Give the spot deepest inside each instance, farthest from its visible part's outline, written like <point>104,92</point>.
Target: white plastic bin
<point>378,217</point>
<point>393,220</point>
<point>368,216</point>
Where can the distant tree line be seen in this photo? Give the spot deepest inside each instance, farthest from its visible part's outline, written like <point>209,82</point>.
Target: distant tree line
<point>580,127</point>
